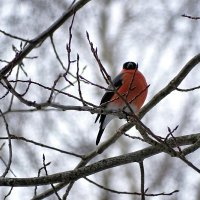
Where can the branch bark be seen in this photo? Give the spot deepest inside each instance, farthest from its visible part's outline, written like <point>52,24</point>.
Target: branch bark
<point>108,163</point>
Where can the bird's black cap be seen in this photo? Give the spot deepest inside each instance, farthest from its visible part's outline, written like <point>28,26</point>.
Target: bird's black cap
<point>130,65</point>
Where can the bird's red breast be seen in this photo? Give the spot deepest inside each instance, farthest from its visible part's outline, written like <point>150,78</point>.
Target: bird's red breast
<point>133,89</point>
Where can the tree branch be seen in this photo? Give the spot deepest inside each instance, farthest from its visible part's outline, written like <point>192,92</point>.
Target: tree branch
<point>9,146</point>
<point>130,193</point>
<point>108,163</point>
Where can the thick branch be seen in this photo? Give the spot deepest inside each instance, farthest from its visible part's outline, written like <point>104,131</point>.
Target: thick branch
<point>76,174</point>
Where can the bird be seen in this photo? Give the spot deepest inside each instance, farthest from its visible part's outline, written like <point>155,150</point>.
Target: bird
<point>128,95</point>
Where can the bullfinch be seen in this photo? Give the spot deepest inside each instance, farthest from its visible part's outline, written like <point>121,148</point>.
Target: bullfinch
<point>129,93</point>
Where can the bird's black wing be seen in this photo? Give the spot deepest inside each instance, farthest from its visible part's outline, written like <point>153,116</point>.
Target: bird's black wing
<point>117,82</point>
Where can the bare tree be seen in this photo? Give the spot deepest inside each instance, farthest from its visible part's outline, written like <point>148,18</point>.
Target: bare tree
<point>50,91</point>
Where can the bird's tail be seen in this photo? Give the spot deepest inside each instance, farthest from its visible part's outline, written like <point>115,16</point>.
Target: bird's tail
<point>101,130</point>
<point>97,118</point>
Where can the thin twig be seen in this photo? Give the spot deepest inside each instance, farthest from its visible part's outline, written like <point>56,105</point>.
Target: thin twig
<point>7,195</point>
<point>188,90</point>
<point>9,146</point>
<point>171,134</point>
<point>15,85</point>
<point>27,89</point>
<point>39,172</point>
<point>94,84</point>
<point>14,137</point>
<point>134,137</point>
<point>7,92</point>
<point>142,180</point>
<point>71,84</point>
<point>45,169</point>
<point>4,61</point>
<point>78,81</point>
<point>68,46</point>
<point>129,193</point>
<point>73,2</point>
<point>190,17</point>
<point>9,86</point>
<point>15,37</point>
<point>41,105</point>
<point>53,88</point>
<point>68,190</point>
<point>4,162</point>
<point>132,80</point>
<point>60,61</point>
<point>105,75</point>
<point>56,53</point>
<point>1,147</point>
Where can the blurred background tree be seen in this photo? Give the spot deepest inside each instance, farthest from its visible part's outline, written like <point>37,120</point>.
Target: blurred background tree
<point>155,35</point>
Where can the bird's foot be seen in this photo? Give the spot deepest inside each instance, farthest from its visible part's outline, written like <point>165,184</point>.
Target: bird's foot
<point>127,115</point>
